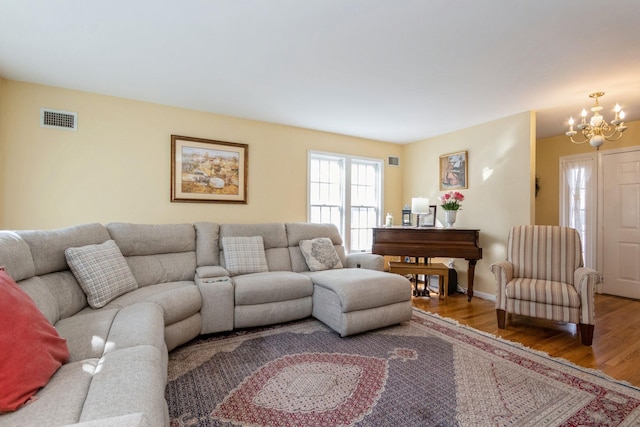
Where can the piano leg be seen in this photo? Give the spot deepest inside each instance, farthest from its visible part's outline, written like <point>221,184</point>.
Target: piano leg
<point>470,275</point>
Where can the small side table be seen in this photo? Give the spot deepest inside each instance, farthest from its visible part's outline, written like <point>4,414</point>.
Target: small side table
<point>428,269</point>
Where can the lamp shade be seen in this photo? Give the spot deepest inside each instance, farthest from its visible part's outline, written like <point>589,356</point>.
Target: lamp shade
<point>420,205</point>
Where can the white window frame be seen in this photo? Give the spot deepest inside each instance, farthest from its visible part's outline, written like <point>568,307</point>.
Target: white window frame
<point>568,200</point>
<point>345,209</point>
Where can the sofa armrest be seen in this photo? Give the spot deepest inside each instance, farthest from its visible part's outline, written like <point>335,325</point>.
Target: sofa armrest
<point>365,260</point>
<point>218,301</point>
<point>211,271</point>
<point>503,272</point>
<point>585,281</point>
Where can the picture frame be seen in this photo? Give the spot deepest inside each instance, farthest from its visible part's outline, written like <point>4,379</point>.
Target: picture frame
<point>429,219</point>
<point>208,171</point>
<point>454,168</point>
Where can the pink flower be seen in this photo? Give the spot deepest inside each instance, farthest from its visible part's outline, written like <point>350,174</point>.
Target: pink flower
<point>451,200</point>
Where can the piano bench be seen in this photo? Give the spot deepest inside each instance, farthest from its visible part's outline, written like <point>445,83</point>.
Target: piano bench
<point>428,269</point>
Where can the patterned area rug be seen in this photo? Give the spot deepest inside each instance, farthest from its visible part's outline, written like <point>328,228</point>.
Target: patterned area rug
<point>426,372</point>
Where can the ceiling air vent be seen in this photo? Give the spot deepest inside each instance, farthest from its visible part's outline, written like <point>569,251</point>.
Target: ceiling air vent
<point>394,161</point>
<point>58,119</point>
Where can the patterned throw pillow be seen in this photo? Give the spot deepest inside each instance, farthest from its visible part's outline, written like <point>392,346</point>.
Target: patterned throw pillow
<point>102,272</point>
<point>244,255</point>
<point>320,254</point>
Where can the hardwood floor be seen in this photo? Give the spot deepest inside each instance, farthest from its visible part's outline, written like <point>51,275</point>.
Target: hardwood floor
<point>616,341</point>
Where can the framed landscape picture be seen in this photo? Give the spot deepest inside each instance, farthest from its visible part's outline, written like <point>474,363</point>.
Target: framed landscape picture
<point>204,170</point>
<point>454,171</point>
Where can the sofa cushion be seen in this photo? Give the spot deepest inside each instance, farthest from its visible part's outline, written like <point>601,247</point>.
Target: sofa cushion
<point>127,381</point>
<point>156,253</point>
<point>244,255</point>
<point>178,300</point>
<point>320,254</point>
<point>274,286</point>
<point>58,295</point>
<point>60,402</point>
<point>102,272</point>
<point>15,256</point>
<point>32,349</point>
<point>361,289</point>
<point>152,239</point>
<point>543,291</point>
<point>207,243</point>
<point>47,246</point>
<point>162,268</point>
<point>87,335</point>
<point>44,299</point>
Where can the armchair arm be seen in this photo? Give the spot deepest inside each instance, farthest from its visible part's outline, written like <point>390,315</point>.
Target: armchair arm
<point>365,260</point>
<point>585,281</point>
<point>503,271</point>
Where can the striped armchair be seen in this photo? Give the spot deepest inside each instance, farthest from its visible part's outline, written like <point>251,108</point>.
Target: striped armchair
<point>543,276</point>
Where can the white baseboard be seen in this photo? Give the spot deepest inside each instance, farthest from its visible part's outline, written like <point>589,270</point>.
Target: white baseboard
<point>482,295</point>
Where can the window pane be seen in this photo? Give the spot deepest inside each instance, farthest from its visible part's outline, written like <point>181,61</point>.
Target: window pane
<point>314,169</point>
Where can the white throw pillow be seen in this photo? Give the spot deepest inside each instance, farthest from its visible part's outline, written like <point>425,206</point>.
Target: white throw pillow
<point>244,255</point>
<point>102,272</point>
<point>320,254</point>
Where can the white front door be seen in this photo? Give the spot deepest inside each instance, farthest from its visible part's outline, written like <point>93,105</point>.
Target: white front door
<point>621,222</point>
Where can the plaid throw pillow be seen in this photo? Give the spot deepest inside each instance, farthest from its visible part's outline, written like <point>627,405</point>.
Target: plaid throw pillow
<point>320,254</point>
<point>102,272</point>
<point>244,255</point>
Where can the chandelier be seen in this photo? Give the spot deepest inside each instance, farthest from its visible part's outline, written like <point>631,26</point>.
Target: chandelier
<point>597,131</point>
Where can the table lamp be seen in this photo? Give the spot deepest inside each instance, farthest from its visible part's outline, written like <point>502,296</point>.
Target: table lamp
<point>419,206</point>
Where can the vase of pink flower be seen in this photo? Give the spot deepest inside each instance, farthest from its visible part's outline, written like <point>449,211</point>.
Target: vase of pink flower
<point>451,202</point>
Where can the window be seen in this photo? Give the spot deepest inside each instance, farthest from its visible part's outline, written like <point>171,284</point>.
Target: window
<point>351,200</point>
<point>577,201</point>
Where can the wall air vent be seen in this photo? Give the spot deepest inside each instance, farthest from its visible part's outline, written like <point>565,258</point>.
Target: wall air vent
<point>394,161</point>
<point>57,119</point>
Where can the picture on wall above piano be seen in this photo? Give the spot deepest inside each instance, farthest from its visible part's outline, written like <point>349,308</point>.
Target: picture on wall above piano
<point>454,171</point>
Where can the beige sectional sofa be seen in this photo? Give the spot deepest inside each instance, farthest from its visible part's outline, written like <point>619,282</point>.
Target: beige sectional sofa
<point>188,284</point>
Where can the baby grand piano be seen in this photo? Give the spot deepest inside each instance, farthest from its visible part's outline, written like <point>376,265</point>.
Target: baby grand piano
<point>429,242</point>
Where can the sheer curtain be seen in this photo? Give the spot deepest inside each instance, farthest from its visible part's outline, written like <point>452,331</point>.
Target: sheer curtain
<point>578,201</point>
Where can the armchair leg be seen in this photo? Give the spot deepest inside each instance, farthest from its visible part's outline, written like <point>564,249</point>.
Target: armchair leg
<point>586,333</point>
<point>502,315</point>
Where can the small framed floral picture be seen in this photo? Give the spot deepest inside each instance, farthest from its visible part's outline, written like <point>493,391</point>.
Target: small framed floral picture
<point>454,171</point>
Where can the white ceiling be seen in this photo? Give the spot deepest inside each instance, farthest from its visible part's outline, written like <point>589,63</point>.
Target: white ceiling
<point>390,70</point>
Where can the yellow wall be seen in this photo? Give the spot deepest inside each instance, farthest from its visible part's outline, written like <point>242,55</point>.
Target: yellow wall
<point>548,153</point>
<point>116,167</point>
<point>500,192</point>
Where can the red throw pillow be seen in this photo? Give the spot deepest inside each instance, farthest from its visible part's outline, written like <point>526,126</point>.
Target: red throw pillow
<point>31,350</point>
